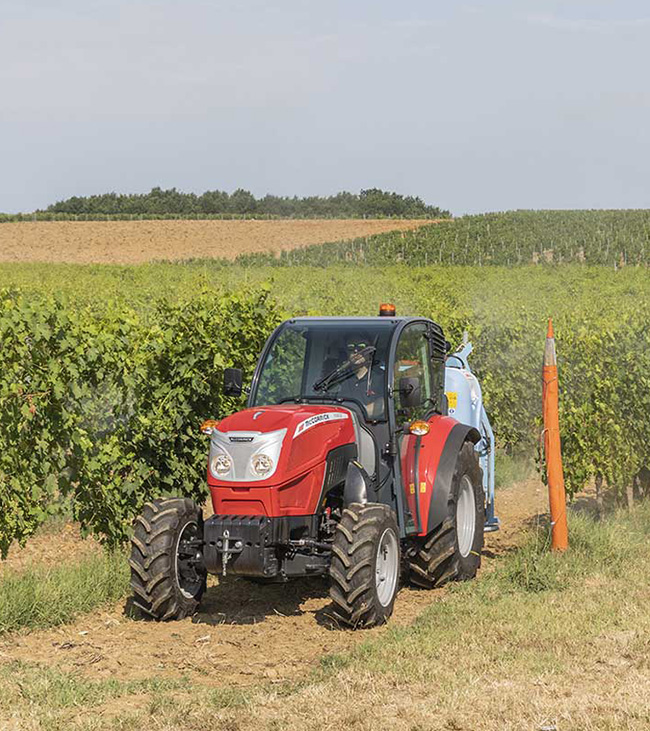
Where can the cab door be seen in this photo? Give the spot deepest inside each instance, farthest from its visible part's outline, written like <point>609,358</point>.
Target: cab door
<point>414,367</point>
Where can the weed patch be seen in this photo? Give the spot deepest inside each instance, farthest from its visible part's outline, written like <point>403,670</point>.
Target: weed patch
<point>46,597</point>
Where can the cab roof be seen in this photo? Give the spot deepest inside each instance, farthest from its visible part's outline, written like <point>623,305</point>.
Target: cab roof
<point>344,318</point>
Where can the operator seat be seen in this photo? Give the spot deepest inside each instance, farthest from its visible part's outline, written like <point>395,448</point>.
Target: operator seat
<point>366,446</point>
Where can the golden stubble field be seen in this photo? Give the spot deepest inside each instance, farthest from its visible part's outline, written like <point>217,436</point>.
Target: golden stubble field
<point>136,242</point>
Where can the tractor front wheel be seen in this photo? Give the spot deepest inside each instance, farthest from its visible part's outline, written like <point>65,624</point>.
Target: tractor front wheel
<point>168,577</point>
<point>365,566</point>
<point>453,550</point>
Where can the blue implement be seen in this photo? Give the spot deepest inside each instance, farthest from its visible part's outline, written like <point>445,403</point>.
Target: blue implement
<point>465,403</point>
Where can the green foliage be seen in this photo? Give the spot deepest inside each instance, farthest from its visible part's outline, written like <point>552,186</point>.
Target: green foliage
<point>158,203</point>
<point>100,400</point>
<point>613,238</point>
<point>228,697</point>
<point>103,405</point>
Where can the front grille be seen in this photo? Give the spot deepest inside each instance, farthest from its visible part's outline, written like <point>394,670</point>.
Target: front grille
<point>240,446</point>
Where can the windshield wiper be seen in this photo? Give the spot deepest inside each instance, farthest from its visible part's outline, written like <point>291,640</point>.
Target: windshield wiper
<point>343,371</point>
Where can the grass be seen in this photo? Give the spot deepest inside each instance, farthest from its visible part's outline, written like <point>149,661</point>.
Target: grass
<point>541,640</point>
<point>45,686</point>
<point>602,548</point>
<point>45,597</point>
<point>509,469</point>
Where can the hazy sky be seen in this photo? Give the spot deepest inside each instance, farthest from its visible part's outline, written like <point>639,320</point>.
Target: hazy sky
<point>473,106</point>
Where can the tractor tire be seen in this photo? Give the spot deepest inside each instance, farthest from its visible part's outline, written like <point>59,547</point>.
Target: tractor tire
<point>365,566</point>
<point>167,573</point>
<point>452,552</point>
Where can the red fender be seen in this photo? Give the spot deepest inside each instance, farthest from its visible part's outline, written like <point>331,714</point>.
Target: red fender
<point>436,454</point>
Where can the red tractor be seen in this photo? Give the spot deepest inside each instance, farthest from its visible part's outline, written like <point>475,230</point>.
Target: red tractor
<point>345,464</point>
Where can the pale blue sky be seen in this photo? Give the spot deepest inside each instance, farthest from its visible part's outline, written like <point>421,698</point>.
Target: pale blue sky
<point>473,106</point>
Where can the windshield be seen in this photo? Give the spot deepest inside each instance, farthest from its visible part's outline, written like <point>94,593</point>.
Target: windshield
<point>321,360</point>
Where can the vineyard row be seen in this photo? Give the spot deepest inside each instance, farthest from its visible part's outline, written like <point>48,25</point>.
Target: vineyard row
<point>616,238</point>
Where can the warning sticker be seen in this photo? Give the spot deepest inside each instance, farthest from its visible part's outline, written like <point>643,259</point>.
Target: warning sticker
<point>318,419</point>
<point>423,487</point>
<point>452,399</point>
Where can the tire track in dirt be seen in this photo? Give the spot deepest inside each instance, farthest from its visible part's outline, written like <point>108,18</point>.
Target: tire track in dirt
<point>245,633</point>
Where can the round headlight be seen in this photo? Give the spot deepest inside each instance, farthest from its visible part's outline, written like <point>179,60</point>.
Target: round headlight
<point>220,464</point>
<point>262,464</point>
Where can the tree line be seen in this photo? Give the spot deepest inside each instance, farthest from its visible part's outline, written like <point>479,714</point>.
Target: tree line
<point>371,203</point>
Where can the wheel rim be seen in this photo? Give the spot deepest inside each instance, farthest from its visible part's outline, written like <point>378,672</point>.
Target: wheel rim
<point>465,517</point>
<point>188,560</point>
<point>386,567</point>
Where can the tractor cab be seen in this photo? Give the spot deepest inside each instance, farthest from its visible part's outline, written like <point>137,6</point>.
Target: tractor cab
<point>386,372</point>
<point>345,463</point>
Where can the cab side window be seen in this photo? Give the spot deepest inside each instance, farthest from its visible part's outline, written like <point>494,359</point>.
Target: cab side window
<point>412,360</point>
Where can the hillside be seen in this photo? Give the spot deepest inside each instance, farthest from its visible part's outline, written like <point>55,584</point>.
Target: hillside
<point>613,238</point>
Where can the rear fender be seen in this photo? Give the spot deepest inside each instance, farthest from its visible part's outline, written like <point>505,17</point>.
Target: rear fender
<point>439,452</point>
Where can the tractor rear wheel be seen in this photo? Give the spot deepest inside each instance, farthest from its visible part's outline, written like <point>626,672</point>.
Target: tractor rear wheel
<point>452,552</point>
<point>365,566</point>
<point>168,577</point>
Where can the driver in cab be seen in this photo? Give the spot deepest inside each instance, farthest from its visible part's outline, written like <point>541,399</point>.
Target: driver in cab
<point>364,382</point>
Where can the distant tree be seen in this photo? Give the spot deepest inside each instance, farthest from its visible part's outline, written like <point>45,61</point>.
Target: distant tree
<point>242,201</point>
<point>214,202</point>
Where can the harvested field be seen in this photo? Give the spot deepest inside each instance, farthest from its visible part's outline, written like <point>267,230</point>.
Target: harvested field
<point>136,242</point>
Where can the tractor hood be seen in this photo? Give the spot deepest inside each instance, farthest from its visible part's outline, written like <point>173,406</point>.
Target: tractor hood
<point>274,444</point>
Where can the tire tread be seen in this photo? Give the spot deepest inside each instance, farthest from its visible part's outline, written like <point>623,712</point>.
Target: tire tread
<point>352,588</point>
<point>155,589</point>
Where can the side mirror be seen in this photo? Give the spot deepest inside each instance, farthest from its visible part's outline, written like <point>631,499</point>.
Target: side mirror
<point>410,394</point>
<point>233,379</point>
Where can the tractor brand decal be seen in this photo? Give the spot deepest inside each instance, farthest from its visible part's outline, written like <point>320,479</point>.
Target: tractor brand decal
<point>241,439</point>
<point>452,399</point>
<point>318,419</point>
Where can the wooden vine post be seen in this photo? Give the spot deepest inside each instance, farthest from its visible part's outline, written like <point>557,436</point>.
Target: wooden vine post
<point>552,447</point>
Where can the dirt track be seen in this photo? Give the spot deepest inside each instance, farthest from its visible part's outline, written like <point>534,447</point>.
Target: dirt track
<point>244,633</point>
<point>135,242</point>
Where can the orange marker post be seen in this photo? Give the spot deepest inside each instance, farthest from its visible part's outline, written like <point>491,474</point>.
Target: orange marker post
<point>552,447</point>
